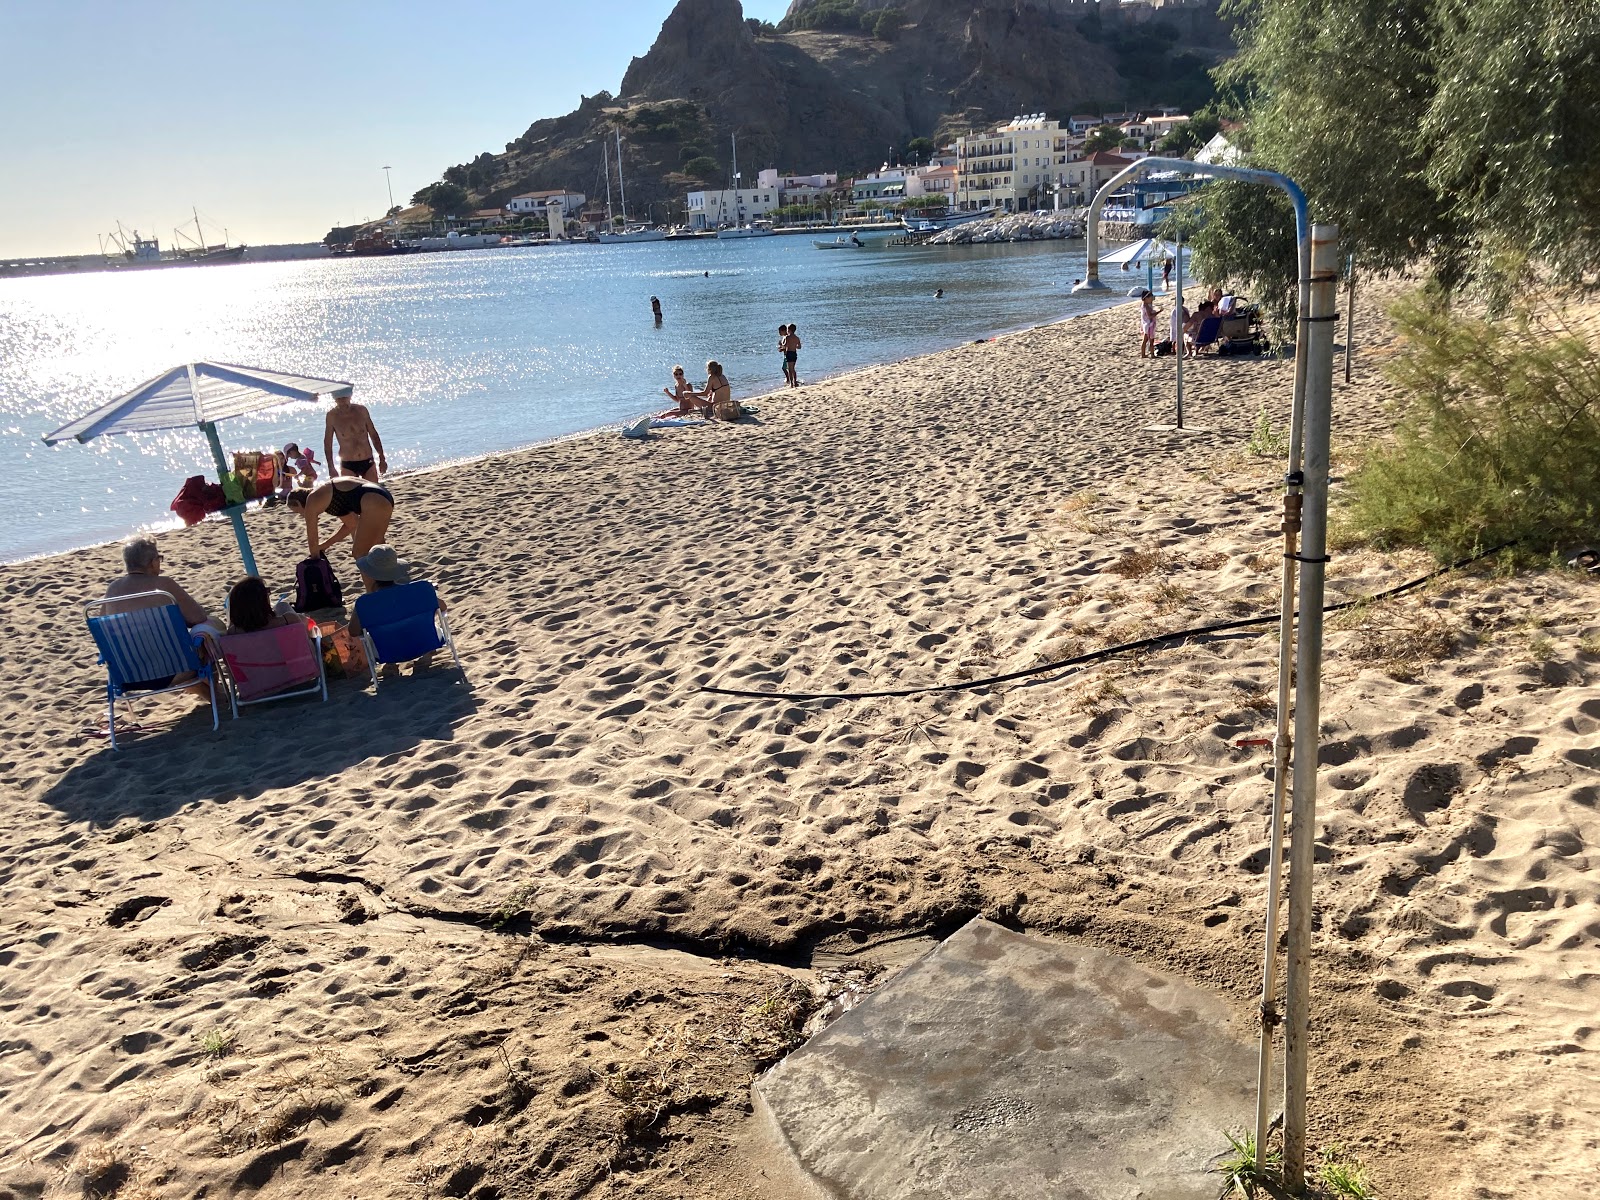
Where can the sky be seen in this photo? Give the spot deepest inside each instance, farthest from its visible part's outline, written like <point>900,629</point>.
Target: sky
<point>275,118</point>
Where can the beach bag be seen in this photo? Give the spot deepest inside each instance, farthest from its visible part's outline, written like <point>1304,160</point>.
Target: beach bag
<point>189,503</point>
<point>316,586</point>
<point>266,476</point>
<point>1164,348</point>
<point>727,410</point>
<point>343,655</point>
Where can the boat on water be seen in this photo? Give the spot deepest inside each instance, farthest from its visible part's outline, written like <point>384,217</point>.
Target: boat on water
<point>753,229</point>
<point>634,233</point>
<point>948,221</point>
<point>631,231</point>
<point>197,250</point>
<point>129,251</point>
<point>842,242</point>
<point>373,244</point>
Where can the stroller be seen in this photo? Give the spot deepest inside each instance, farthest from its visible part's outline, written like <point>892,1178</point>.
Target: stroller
<point>1241,331</point>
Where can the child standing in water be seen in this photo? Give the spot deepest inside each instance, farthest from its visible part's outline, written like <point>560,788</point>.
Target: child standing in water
<point>1147,325</point>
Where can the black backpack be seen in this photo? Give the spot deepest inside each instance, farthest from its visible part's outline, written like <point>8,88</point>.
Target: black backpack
<point>316,586</point>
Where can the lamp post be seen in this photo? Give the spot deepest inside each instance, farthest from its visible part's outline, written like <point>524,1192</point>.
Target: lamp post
<point>390,186</point>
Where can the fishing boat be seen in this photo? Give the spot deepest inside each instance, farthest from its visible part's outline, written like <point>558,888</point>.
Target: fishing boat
<point>630,231</point>
<point>197,250</point>
<point>842,242</point>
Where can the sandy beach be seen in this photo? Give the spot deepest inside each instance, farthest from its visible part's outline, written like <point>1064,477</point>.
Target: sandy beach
<point>531,935</point>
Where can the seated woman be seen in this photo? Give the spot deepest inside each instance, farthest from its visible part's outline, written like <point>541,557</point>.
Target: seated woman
<point>683,394</point>
<point>363,510</point>
<point>250,608</point>
<point>387,569</point>
<point>718,395</point>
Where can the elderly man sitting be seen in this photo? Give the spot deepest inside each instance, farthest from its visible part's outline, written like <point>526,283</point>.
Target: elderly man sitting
<point>142,561</point>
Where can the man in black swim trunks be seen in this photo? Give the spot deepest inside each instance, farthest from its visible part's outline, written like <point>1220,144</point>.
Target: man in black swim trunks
<point>358,439</point>
<point>791,356</point>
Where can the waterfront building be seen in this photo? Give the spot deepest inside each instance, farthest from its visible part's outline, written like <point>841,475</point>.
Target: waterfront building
<point>536,203</point>
<point>730,206</point>
<point>1012,166</point>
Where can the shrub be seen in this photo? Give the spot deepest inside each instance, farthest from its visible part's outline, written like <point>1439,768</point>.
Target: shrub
<point>703,167</point>
<point>886,25</point>
<point>1500,439</point>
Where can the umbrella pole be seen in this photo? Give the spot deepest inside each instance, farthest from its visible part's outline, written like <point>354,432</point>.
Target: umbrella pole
<point>236,511</point>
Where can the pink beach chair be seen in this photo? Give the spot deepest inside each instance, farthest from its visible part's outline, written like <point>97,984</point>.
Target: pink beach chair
<point>273,664</point>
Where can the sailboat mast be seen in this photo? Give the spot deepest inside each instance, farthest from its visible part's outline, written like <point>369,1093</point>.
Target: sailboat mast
<point>605,163</point>
<point>622,191</point>
<point>200,234</point>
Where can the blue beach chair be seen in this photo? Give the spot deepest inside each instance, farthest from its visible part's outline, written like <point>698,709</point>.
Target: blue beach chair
<point>1206,336</point>
<point>402,623</point>
<point>143,648</point>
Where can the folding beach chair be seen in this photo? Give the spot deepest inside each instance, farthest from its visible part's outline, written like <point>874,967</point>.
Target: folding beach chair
<point>1206,336</point>
<point>273,664</point>
<point>143,648</point>
<point>403,623</point>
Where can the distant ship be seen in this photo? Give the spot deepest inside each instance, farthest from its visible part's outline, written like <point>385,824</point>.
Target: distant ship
<point>631,231</point>
<point>197,251</point>
<point>124,250</point>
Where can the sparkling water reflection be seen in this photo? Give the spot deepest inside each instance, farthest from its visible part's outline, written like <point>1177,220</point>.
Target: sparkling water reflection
<point>462,353</point>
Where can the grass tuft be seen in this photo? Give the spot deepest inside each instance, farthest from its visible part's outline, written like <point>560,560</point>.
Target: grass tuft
<point>1344,1176</point>
<point>217,1044</point>
<point>1266,439</point>
<point>1240,1175</point>
<point>1136,564</point>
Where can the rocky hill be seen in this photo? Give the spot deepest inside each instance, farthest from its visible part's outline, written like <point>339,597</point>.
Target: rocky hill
<point>837,87</point>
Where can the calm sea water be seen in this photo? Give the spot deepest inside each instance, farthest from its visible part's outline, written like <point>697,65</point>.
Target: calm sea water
<point>461,353</point>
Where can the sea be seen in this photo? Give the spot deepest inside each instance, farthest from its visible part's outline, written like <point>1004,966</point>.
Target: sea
<point>463,353</point>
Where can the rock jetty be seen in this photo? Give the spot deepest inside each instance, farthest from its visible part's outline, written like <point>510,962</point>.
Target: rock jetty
<point>1013,227</point>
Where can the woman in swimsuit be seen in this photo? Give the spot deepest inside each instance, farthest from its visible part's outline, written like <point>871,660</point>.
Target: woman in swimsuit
<point>683,394</point>
<point>718,395</point>
<point>363,510</point>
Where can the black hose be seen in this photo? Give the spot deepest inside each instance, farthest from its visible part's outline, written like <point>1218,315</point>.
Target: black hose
<point>1104,652</point>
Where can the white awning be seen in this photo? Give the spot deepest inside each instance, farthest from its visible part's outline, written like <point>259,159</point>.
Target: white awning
<point>195,395</point>
<point>1136,254</point>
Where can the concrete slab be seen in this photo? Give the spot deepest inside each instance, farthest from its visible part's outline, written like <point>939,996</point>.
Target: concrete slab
<point>1003,1065</point>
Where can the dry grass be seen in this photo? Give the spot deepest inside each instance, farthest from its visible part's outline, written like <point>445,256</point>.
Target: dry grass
<point>1169,597</point>
<point>1097,696</point>
<point>1140,562</point>
<point>1398,639</point>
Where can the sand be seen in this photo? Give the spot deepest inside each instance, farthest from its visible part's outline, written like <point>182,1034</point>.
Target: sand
<point>532,934</point>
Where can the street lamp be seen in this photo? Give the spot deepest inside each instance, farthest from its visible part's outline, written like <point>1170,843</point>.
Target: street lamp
<point>390,186</point>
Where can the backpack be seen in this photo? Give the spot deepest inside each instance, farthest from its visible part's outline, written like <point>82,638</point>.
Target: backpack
<point>316,586</point>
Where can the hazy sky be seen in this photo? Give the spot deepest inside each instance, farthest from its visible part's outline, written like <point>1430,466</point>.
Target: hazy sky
<point>275,118</point>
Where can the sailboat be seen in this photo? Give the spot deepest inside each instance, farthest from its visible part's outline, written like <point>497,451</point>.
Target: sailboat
<point>751,228</point>
<point>635,232</point>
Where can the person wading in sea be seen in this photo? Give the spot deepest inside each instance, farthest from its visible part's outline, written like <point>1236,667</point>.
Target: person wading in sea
<point>358,438</point>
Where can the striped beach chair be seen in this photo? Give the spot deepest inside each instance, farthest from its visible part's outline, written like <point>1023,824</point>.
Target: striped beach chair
<point>143,643</point>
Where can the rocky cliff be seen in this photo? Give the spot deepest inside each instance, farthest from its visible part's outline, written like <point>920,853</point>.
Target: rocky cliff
<point>840,98</point>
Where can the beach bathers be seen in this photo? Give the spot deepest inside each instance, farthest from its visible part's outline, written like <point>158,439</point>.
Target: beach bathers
<point>356,466</point>
<point>345,502</point>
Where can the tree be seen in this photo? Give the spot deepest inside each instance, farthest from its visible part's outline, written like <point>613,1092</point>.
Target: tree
<point>920,149</point>
<point>1191,135</point>
<point>886,25</point>
<point>1445,132</point>
<point>703,167</point>
<point>443,198</point>
<point>1102,137</point>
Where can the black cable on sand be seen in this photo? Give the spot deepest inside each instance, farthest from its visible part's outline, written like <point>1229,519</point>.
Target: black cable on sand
<point>1158,639</point>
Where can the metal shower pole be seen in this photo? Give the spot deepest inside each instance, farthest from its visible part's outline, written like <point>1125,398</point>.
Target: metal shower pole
<point>1294,511</point>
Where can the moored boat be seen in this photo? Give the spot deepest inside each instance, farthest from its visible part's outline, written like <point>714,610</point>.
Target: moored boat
<point>842,242</point>
<point>753,229</point>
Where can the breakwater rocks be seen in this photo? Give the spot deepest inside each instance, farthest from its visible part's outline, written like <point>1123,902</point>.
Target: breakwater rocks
<point>1014,227</point>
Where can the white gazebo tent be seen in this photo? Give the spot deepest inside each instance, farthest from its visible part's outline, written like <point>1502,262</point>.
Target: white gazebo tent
<point>198,395</point>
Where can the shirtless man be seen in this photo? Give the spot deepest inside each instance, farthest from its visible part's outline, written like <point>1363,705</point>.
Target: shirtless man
<point>791,354</point>
<point>358,438</point>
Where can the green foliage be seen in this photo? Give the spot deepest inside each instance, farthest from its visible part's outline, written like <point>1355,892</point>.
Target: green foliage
<point>886,27</point>
<point>445,198</point>
<point>1244,233</point>
<point>216,1044</point>
<point>1437,131</point>
<point>1500,440</point>
<point>1240,1175</point>
<point>1266,439</point>
<point>1192,134</point>
<point>702,168</point>
<point>919,149</point>
<point>838,16</point>
<point>759,28</point>
<point>1102,137</point>
<point>1344,1176</point>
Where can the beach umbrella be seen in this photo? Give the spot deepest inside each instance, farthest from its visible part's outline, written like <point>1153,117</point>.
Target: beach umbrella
<point>198,395</point>
<point>1146,252</point>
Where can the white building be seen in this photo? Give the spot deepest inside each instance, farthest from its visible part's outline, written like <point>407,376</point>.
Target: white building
<point>1012,166</point>
<point>786,183</point>
<point>529,203</point>
<point>729,206</point>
